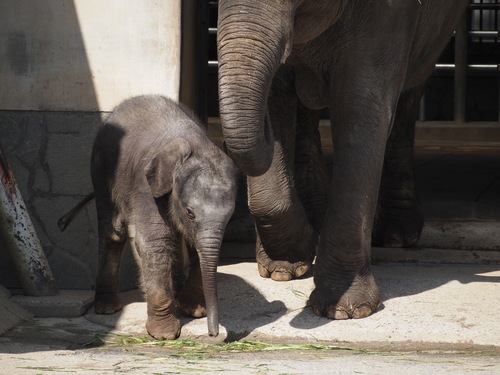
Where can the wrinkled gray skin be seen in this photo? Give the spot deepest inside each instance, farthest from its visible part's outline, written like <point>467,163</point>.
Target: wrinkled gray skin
<point>282,61</point>
<point>158,180</point>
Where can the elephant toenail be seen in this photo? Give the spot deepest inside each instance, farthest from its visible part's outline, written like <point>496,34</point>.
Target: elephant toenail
<point>338,314</point>
<point>301,270</point>
<point>362,311</point>
<point>263,272</point>
<point>281,275</point>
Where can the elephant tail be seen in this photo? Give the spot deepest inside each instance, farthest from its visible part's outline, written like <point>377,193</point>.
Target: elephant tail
<point>65,220</point>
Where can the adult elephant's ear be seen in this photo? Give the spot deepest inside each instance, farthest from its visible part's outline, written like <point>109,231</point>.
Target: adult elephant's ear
<point>160,170</point>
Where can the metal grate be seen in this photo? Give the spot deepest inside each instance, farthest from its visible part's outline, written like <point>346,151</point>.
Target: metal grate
<point>475,52</point>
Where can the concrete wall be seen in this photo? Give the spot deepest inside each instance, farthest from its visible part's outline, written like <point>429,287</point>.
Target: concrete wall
<point>63,66</point>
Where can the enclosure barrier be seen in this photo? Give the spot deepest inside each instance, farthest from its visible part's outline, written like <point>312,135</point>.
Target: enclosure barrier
<point>478,10</point>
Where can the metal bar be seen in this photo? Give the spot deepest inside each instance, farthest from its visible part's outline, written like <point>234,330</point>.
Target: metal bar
<point>461,70</point>
<point>485,6</point>
<point>497,24</point>
<point>481,33</point>
<point>485,67</point>
<point>19,236</point>
<point>472,67</point>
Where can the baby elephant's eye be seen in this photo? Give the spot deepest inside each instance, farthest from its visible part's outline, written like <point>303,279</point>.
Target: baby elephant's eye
<point>190,214</point>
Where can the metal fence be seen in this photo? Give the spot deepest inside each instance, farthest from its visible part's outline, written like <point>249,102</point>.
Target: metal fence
<point>478,27</point>
<point>475,46</point>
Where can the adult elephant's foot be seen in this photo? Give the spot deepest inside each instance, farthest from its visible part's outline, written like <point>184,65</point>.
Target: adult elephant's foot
<point>162,323</point>
<point>340,298</point>
<point>107,303</point>
<point>398,226</point>
<point>280,270</point>
<point>285,267</point>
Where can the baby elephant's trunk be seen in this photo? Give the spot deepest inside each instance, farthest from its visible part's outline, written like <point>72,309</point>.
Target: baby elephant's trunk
<point>208,274</point>
<point>208,247</point>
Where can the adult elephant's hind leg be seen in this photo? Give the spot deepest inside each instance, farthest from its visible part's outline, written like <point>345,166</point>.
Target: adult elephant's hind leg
<point>286,241</point>
<point>399,219</point>
<point>311,173</point>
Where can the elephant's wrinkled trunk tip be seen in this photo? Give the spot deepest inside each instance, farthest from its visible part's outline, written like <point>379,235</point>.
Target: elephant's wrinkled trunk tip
<point>213,322</point>
<point>212,312</point>
<point>209,257</point>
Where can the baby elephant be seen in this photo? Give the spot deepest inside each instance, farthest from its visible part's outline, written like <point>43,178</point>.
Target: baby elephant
<point>160,182</point>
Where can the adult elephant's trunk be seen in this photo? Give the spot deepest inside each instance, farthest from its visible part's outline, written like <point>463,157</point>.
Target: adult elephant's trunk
<point>253,38</point>
<point>208,244</point>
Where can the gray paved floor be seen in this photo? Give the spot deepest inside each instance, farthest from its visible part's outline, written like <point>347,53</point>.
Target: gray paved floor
<point>435,319</point>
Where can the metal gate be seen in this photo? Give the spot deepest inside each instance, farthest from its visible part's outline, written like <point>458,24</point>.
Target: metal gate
<point>476,46</point>
<point>473,52</point>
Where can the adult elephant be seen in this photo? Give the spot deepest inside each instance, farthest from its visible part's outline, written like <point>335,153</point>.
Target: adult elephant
<point>279,63</point>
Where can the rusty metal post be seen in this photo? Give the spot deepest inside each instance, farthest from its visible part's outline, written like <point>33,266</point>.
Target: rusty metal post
<point>19,236</point>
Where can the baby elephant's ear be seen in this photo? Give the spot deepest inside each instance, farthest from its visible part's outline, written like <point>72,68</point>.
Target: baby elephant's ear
<point>160,170</point>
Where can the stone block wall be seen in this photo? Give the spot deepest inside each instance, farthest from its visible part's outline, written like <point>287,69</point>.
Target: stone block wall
<point>49,153</point>
<point>64,66</point>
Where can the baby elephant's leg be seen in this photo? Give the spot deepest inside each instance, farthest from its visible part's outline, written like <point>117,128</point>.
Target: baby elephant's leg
<point>157,281</point>
<point>106,299</point>
<point>112,239</point>
<point>191,298</point>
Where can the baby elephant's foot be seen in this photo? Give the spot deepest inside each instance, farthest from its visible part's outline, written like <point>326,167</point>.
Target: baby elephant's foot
<point>107,303</point>
<point>192,302</point>
<point>191,298</point>
<point>163,325</point>
<point>280,270</point>
<point>346,300</point>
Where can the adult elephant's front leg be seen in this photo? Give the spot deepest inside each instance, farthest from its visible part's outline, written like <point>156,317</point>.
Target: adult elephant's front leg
<point>345,286</point>
<point>286,242</point>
